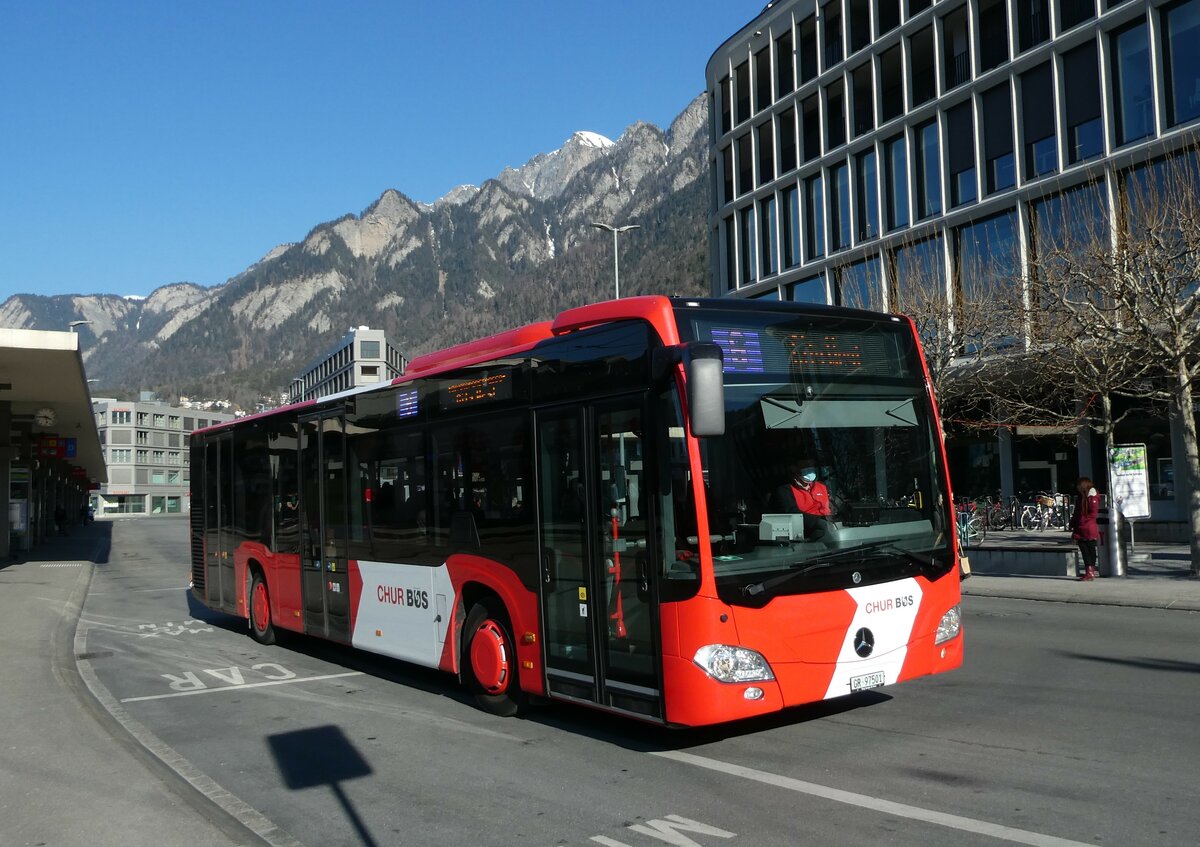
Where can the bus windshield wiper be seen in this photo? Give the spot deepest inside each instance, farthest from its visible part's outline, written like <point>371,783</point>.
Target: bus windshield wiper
<point>828,560</point>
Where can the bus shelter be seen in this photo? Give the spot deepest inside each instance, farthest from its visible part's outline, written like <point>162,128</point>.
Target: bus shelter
<point>50,451</point>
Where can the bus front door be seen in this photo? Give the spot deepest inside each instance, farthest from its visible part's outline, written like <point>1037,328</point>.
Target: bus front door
<point>325,580</point>
<point>219,539</point>
<point>597,550</point>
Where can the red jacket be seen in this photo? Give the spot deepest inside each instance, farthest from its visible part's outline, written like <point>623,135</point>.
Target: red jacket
<point>814,501</point>
<point>1083,522</point>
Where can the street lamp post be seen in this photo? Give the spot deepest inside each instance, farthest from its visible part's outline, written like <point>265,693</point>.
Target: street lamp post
<point>616,230</point>
<point>74,324</point>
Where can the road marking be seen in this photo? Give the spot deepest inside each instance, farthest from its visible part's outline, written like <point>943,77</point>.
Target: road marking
<point>864,801</point>
<point>239,687</point>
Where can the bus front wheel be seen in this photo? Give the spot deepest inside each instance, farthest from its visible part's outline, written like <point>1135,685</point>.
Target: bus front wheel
<point>262,629</point>
<point>489,659</point>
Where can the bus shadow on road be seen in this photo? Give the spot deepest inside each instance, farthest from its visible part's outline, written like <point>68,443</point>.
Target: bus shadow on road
<point>1171,665</point>
<point>649,738</point>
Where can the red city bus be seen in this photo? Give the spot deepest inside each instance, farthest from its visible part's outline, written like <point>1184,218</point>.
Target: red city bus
<point>599,509</point>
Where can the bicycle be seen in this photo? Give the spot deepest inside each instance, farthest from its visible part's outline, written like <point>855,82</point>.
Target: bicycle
<point>971,529</point>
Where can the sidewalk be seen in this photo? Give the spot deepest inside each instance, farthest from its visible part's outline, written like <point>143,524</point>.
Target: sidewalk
<point>69,774</point>
<point>1159,575</point>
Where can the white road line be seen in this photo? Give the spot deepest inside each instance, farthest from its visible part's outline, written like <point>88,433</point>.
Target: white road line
<point>225,688</point>
<point>902,810</point>
<point>125,591</point>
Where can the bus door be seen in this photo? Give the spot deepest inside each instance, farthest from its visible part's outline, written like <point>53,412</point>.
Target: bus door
<point>219,588</point>
<point>597,552</point>
<point>325,580</point>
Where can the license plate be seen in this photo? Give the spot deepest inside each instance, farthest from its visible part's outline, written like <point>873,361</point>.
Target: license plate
<point>867,680</point>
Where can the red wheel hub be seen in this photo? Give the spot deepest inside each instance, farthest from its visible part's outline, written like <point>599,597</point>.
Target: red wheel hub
<point>262,608</point>
<point>490,657</point>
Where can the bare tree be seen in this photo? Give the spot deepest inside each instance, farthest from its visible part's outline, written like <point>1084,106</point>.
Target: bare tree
<point>1112,307</point>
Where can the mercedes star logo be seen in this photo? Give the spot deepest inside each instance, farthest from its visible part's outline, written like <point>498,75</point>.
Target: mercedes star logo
<point>856,577</point>
<point>864,642</point>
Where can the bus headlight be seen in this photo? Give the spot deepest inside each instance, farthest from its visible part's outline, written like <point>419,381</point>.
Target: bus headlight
<point>950,626</point>
<point>732,664</point>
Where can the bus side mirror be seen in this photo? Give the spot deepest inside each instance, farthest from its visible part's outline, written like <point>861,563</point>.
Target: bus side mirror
<point>703,363</point>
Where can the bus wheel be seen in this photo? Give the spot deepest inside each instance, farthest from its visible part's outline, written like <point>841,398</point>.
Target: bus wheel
<point>261,628</point>
<point>489,659</point>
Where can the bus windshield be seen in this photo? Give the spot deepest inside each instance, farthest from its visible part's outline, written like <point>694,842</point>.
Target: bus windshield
<point>829,472</point>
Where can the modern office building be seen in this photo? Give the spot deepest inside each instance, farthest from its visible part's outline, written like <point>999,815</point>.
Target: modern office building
<point>145,446</point>
<point>363,356</point>
<point>860,144</point>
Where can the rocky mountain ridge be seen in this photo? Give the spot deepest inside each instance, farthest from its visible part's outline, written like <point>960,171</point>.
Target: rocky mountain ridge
<point>518,248</point>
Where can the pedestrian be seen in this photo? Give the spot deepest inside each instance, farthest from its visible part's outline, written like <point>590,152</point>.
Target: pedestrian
<point>1084,530</point>
<point>60,519</point>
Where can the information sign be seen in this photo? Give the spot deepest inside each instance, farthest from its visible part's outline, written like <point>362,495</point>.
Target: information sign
<point>1130,480</point>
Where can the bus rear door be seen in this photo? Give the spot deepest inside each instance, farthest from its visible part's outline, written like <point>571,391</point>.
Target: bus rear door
<point>601,624</point>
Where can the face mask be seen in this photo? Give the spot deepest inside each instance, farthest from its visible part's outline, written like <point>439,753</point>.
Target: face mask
<point>808,475</point>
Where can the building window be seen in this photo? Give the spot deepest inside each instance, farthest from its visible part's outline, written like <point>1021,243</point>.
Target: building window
<point>741,93</point>
<point>808,291</point>
<point>814,215</point>
<point>785,78</point>
<point>812,128</point>
<point>762,79</point>
<point>887,15</point>
<point>173,422</point>
<point>1037,110</point>
<point>860,285</point>
<point>369,349</point>
<point>122,416</point>
<point>1181,34</point>
<point>891,78</point>
<point>142,437</point>
<point>158,456</point>
<point>868,195</point>
<point>993,26</point>
<point>160,421</point>
<point>956,52</point>
<point>143,418</point>
<point>1081,102</point>
<point>895,159</point>
<point>860,24</point>
<point>727,174</point>
<point>1033,23</point>
<point>1074,12</point>
<point>996,111</point>
<point>158,477</point>
<point>726,106</point>
<point>960,144</point>
<point>1131,84</point>
<point>120,455</point>
<point>839,207</point>
<point>987,257</point>
<point>745,165</point>
<point>766,226</point>
<point>928,162</point>
<point>864,102</point>
<point>749,263</point>
<point>787,141</point>
<point>730,255</point>
<point>924,77</point>
<point>917,267</point>
<point>1074,222</point>
<point>915,7</point>
<point>808,50</point>
<point>766,152</point>
<point>831,13</point>
<point>790,232</point>
<point>835,116</point>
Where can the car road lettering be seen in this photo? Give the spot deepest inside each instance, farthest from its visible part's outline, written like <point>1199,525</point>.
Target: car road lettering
<point>669,829</point>
<point>232,679</point>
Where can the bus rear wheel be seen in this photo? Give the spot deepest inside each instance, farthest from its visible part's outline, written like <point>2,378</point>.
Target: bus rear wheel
<point>262,629</point>
<point>489,659</point>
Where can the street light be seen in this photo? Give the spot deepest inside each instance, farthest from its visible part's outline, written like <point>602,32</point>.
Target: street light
<point>74,324</point>
<point>616,230</point>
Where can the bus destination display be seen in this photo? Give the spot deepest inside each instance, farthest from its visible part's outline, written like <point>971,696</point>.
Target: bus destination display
<point>480,389</point>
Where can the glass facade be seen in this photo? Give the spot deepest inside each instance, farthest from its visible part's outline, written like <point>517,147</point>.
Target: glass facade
<point>848,133</point>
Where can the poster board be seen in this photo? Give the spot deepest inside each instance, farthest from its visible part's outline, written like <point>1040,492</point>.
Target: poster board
<point>1128,472</point>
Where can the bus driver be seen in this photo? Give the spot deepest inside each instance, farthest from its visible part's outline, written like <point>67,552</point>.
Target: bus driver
<point>804,494</point>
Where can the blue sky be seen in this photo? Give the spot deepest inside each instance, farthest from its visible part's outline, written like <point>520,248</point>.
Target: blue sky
<point>145,143</point>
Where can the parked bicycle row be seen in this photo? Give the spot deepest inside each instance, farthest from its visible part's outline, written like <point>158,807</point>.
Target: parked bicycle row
<point>1034,511</point>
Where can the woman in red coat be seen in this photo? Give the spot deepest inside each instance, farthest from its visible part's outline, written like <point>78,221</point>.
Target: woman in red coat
<point>1084,529</point>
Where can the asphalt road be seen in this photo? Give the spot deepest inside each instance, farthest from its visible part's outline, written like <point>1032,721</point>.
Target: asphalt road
<point>1068,724</point>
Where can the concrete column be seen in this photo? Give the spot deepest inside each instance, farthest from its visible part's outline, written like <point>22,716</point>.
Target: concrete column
<point>1007,484</point>
<point>1083,446</point>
